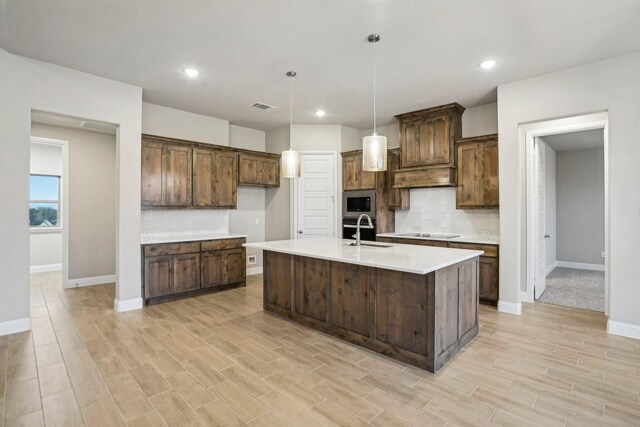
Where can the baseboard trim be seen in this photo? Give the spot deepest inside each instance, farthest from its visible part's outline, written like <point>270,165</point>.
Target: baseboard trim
<point>551,268</point>
<point>623,329</point>
<point>90,281</point>
<point>127,305</point>
<point>510,307</point>
<point>15,326</point>
<point>45,268</point>
<point>254,270</point>
<point>580,265</point>
<point>524,297</point>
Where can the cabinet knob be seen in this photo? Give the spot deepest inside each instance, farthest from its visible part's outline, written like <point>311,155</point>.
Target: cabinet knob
<point>299,231</point>
<point>546,236</point>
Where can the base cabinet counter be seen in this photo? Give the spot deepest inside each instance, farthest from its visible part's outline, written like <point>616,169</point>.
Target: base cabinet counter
<point>419,306</point>
<point>173,270</point>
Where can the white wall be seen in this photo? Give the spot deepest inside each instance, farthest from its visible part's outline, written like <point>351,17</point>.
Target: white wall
<point>277,203</point>
<point>27,84</point>
<point>46,245</point>
<point>612,85</point>
<point>580,201</point>
<point>550,204</point>
<point>249,217</point>
<point>92,199</point>
<point>172,123</point>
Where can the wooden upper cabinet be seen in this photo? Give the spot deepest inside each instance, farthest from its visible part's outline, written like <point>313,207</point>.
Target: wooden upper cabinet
<point>166,174</point>
<point>259,170</point>
<point>477,172</point>
<point>427,136</point>
<point>203,176</point>
<point>398,198</point>
<point>226,170</point>
<point>353,177</point>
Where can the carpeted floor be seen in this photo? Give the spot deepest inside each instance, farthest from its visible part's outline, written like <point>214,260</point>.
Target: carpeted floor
<point>575,288</point>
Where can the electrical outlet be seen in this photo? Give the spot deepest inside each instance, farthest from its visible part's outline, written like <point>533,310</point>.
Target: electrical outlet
<point>251,260</point>
<point>602,254</point>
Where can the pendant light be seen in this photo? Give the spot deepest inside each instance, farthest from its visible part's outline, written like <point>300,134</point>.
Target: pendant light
<point>374,146</point>
<point>290,160</point>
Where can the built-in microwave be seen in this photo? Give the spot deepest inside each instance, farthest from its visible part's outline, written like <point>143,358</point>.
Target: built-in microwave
<point>355,203</point>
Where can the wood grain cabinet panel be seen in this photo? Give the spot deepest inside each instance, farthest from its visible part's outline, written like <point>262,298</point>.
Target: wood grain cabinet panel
<point>234,269</point>
<point>350,297</point>
<point>312,281</point>
<point>178,175</point>
<point>259,170</point>
<point>226,170</point>
<point>211,269</point>
<point>157,276</point>
<point>488,291</point>
<point>353,177</point>
<point>477,172</point>
<point>204,163</point>
<point>278,280</point>
<point>398,198</point>
<point>153,160</point>
<point>186,272</point>
<point>401,310</point>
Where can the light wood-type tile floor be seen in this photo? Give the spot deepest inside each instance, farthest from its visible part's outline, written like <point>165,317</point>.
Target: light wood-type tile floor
<point>218,360</point>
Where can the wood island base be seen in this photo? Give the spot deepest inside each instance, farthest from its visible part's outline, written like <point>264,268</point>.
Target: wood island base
<point>419,319</point>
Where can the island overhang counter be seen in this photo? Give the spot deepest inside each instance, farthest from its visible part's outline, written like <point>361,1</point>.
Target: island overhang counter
<point>416,304</point>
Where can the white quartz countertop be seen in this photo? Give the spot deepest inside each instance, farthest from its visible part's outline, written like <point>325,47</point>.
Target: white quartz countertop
<point>407,258</point>
<point>468,238</point>
<point>173,238</point>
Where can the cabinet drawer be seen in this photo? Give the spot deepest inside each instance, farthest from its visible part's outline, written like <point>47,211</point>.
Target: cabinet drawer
<point>489,250</point>
<point>216,245</point>
<point>421,242</point>
<point>171,248</point>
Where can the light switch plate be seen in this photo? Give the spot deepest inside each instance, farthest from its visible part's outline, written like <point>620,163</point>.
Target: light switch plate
<point>251,260</point>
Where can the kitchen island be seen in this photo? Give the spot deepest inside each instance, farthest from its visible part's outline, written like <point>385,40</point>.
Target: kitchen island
<point>415,304</point>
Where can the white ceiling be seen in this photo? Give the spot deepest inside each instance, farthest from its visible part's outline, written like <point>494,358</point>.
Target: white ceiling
<point>583,140</point>
<point>429,53</point>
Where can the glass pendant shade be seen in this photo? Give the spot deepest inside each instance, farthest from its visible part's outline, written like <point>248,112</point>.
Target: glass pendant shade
<point>374,153</point>
<point>290,164</point>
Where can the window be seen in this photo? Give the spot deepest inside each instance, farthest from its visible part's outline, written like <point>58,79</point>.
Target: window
<point>44,201</point>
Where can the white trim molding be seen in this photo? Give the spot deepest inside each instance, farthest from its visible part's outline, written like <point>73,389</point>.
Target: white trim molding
<point>580,265</point>
<point>15,326</point>
<point>127,305</point>
<point>623,329</point>
<point>45,268</point>
<point>551,268</point>
<point>510,307</point>
<point>254,270</point>
<point>90,281</point>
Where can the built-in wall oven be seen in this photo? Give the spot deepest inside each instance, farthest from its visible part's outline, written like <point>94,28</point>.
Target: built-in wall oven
<point>354,204</point>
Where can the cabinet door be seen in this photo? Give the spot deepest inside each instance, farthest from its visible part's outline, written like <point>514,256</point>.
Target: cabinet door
<point>211,269</point>
<point>409,145</point>
<point>226,181</point>
<point>234,270</point>
<point>490,169</point>
<point>203,169</point>
<point>470,191</point>
<point>269,172</point>
<point>439,141</point>
<point>178,175</point>
<point>186,272</point>
<point>367,179</point>
<point>152,174</point>
<point>351,166</point>
<point>350,305</point>
<point>157,276</point>
<point>398,198</point>
<point>248,169</point>
<point>488,281</point>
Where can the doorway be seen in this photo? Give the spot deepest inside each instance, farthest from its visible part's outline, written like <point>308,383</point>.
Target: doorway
<point>315,208</point>
<point>567,212</point>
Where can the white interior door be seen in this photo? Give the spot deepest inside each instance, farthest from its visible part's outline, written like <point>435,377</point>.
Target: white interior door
<point>541,259</point>
<point>315,196</point>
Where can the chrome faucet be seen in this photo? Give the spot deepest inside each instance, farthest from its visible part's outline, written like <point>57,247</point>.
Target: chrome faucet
<point>357,235</point>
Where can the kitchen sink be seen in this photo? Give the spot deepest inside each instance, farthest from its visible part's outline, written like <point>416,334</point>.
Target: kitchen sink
<point>371,245</point>
<point>429,235</point>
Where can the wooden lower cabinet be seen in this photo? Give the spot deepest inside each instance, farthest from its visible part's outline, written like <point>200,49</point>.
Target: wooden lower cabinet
<point>421,319</point>
<point>489,285</point>
<point>177,270</point>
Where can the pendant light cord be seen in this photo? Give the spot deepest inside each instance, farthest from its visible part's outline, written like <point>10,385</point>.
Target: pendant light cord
<point>374,88</point>
<point>291,113</point>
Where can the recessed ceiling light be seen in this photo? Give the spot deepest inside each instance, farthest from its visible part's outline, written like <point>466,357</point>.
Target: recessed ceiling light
<point>320,113</point>
<point>191,72</point>
<point>488,64</point>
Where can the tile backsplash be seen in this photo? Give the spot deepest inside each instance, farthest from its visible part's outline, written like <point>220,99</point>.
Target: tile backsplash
<point>186,222</point>
<point>434,210</point>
